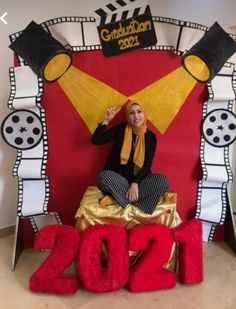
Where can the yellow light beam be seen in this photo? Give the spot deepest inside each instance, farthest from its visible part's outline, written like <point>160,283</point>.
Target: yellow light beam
<point>164,98</point>
<point>90,97</point>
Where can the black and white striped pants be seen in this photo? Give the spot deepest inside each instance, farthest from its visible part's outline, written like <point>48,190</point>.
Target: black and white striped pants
<point>151,188</point>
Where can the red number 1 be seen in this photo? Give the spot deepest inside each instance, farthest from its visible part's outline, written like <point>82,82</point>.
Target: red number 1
<point>189,236</point>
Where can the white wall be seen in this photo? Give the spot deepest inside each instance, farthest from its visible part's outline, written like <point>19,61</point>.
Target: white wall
<point>21,12</point>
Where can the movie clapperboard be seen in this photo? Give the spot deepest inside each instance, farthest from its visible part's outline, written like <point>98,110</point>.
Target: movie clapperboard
<point>125,25</point>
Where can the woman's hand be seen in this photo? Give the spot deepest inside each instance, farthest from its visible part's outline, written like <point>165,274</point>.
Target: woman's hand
<point>132,193</point>
<point>110,114</point>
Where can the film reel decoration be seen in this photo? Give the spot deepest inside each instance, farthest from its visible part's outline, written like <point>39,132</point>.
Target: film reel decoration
<point>22,129</point>
<point>219,127</point>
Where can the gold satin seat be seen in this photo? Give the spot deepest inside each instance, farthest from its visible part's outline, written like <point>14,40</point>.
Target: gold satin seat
<point>91,212</point>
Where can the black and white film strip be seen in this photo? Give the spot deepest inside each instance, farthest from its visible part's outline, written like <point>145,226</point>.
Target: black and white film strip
<point>28,121</point>
<point>33,197</point>
<point>37,222</point>
<point>26,88</point>
<point>217,172</point>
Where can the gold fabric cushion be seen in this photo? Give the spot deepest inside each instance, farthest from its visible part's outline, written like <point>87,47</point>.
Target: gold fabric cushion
<point>91,212</point>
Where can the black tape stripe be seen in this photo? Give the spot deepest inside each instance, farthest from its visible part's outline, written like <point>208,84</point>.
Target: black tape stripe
<point>121,2</point>
<point>124,15</point>
<point>111,7</point>
<point>101,12</point>
<point>113,18</point>
<point>136,11</point>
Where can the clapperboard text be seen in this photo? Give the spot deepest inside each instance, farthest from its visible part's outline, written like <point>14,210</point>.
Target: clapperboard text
<point>125,30</point>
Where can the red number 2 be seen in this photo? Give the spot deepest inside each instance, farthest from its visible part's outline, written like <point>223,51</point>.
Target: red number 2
<point>48,277</point>
<point>148,274</point>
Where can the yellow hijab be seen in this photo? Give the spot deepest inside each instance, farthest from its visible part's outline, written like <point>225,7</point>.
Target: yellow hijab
<point>139,146</point>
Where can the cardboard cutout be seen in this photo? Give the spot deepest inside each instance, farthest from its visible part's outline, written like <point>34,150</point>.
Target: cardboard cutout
<point>73,163</point>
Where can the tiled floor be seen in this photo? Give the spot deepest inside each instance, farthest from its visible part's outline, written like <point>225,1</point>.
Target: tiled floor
<point>217,291</point>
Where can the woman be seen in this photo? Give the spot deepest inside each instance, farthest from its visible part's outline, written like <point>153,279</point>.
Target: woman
<point>127,173</point>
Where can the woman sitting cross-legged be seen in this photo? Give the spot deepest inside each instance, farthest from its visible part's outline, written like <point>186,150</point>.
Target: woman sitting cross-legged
<point>127,175</point>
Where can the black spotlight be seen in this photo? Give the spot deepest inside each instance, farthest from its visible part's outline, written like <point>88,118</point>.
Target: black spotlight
<point>47,57</point>
<point>205,59</point>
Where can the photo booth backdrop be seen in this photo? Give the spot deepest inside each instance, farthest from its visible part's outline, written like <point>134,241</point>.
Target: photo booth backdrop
<point>72,163</point>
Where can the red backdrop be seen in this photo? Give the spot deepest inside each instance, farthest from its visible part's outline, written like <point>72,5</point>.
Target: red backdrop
<point>73,162</point>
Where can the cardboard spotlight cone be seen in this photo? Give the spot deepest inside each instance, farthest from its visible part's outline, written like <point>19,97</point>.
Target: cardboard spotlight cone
<point>47,57</point>
<point>205,59</point>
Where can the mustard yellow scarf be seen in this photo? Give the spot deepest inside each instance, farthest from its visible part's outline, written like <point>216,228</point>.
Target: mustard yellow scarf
<point>139,146</point>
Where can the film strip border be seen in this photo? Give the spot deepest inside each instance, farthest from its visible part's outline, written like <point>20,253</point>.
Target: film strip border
<point>37,222</point>
<point>32,163</point>
<point>80,34</point>
<point>31,95</point>
<point>26,90</point>
<point>212,206</point>
<point>216,158</point>
<point>217,172</point>
<point>33,197</point>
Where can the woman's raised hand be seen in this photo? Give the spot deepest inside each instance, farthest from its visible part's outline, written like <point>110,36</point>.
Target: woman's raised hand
<point>110,114</point>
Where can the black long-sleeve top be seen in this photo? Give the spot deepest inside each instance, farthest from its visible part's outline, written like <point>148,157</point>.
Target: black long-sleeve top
<point>103,135</point>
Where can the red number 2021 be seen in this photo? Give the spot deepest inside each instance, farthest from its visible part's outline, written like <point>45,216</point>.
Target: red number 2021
<point>155,242</point>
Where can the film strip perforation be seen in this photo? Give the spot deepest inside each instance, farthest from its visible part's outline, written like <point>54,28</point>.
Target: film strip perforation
<point>58,218</point>
<point>14,36</point>
<point>12,87</point>
<point>47,194</point>
<point>230,105</point>
<point>210,92</point>
<point>34,225</point>
<point>86,48</point>
<point>20,197</point>
<point>227,164</point>
<point>228,65</point>
<point>17,163</point>
<point>234,82</point>
<point>199,198</point>
<point>202,157</point>
<point>196,26</point>
<point>168,20</point>
<point>224,203</point>
<point>45,143</point>
<point>67,19</point>
<point>202,145</point>
<point>212,232</point>
<point>38,102</point>
<point>160,47</point>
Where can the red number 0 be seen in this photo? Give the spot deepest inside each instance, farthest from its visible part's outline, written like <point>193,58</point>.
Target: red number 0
<point>63,240</point>
<point>148,274</point>
<point>93,275</point>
